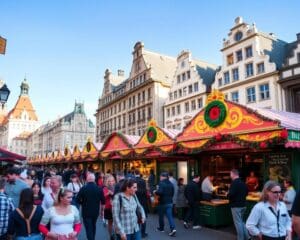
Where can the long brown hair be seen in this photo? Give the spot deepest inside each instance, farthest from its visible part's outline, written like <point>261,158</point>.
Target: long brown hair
<point>26,202</point>
<point>267,187</point>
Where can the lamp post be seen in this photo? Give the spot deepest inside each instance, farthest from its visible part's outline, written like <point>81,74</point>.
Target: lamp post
<point>4,93</point>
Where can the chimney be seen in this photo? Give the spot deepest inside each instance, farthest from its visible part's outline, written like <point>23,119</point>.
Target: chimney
<point>298,36</point>
<point>121,73</point>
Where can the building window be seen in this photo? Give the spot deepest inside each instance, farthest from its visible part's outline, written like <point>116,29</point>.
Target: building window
<point>264,91</point>
<point>260,68</point>
<point>298,57</point>
<point>171,96</point>
<point>182,64</point>
<point>178,79</point>
<point>124,105</point>
<point>144,114</point>
<point>143,96</point>
<point>239,55</point>
<point>226,96</point>
<point>249,70</point>
<point>220,82</point>
<point>229,59</point>
<point>178,109</point>
<point>133,101</point>
<point>200,103</point>
<point>149,93</point>
<point>184,91</point>
<point>187,107</point>
<point>249,52</point>
<point>193,105</point>
<point>149,113</point>
<point>235,96</point>
<point>190,88</point>
<point>188,73</point>
<point>180,93</point>
<point>129,102</point>
<point>175,95</point>
<point>173,111</point>
<point>139,98</point>
<point>235,74</point>
<point>238,36</point>
<point>226,78</point>
<point>251,94</point>
<point>196,87</point>
<point>183,77</point>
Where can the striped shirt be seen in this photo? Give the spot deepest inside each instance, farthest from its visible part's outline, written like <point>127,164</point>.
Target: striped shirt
<point>125,216</point>
<point>6,207</point>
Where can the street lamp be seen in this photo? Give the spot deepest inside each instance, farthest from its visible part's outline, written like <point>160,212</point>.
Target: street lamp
<point>4,93</point>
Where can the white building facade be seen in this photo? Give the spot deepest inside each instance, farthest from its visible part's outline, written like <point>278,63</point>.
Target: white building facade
<point>290,78</point>
<point>19,123</point>
<point>127,104</point>
<point>70,130</point>
<point>250,67</point>
<point>191,83</point>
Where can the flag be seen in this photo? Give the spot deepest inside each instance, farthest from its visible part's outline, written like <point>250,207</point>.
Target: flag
<point>2,45</point>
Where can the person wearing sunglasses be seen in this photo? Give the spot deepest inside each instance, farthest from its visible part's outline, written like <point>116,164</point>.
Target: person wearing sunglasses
<point>269,218</point>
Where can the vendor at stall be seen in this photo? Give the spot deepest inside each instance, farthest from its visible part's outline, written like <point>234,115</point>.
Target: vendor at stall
<point>207,188</point>
<point>252,182</point>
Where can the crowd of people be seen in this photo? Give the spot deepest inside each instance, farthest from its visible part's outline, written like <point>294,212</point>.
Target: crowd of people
<point>52,205</point>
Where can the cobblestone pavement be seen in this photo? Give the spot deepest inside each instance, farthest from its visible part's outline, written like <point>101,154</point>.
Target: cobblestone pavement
<point>182,233</point>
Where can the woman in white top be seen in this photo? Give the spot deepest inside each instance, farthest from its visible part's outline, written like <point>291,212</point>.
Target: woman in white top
<point>51,197</point>
<point>63,217</point>
<point>289,195</point>
<point>46,186</point>
<point>74,186</point>
<point>269,219</point>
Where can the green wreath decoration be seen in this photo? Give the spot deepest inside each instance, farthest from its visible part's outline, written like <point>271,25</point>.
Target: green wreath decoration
<point>215,113</point>
<point>151,134</point>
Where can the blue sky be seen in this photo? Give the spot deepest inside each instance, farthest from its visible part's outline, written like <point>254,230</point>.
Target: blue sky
<point>64,46</point>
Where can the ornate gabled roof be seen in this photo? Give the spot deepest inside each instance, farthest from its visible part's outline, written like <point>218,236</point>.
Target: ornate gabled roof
<point>162,66</point>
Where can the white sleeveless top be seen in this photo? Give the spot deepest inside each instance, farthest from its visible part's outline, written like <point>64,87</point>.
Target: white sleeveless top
<point>61,224</point>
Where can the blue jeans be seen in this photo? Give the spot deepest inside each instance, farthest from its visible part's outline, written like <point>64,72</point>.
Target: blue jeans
<point>133,236</point>
<point>166,209</point>
<point>238,216</point>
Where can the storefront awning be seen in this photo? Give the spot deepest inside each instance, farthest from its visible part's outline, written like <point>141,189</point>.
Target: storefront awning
<point>7,156</point>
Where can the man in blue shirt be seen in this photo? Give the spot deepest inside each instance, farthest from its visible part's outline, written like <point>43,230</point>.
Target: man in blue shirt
<point>6,207</point>
<point>14,185</point>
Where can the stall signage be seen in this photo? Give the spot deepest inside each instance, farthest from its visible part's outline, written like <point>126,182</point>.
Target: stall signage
<point>278,166</point>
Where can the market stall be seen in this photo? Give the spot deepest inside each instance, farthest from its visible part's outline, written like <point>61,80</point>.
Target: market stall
<point>226,135</point>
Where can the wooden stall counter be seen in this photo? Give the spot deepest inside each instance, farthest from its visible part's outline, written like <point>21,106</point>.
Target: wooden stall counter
<point>215,213</point>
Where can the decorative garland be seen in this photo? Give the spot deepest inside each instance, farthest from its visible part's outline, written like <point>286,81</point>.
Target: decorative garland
<point>215,113</point>
<point>151,134</point>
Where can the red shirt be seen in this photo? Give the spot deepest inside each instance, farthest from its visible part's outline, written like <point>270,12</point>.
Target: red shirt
<point>108,198</point>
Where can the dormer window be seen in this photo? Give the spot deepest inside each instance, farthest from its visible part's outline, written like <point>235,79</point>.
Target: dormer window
<point>238,36</point>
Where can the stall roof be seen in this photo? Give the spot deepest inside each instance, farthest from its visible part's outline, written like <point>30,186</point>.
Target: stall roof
<point>6,155</point>
<point>288,120</point>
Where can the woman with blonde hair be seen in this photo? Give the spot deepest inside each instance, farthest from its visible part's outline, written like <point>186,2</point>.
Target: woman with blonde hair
<point>63,217</point>
<point>108,191</point>
<point>269,219</point>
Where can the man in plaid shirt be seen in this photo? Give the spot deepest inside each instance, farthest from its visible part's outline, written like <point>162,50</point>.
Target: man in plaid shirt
<point>6,207</point>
